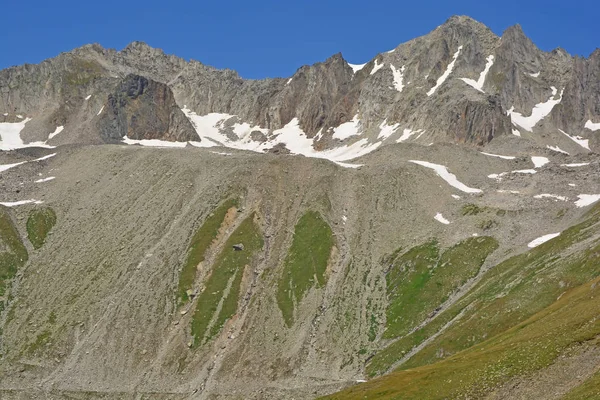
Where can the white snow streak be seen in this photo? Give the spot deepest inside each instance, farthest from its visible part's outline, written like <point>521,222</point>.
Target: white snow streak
<point>516,132</point>
<point>539,112</point>
<point>557,149</point>
<point>407,134</point>
<point>154,142</point>
<point>440,218</point>
<point>575,164</point>
<point>479,83</point>
<point>398,77</point>
<point>551,196</point>
<point>446,74</point>
<point>585,143</point>
<point>536,74</point>
<point>101,109</point>
<point>48,179</point>
<point>542,240</point>
<point>9,166</point>
<point>376,67</point>
<point>20,202</point>
<point>450,178</point>
<point>88,96</point>
<point>587,199</point>
<point>498,155</point>
<point>58,130</point>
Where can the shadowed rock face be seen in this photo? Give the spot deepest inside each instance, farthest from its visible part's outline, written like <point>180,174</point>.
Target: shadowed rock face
<point>141,108</point>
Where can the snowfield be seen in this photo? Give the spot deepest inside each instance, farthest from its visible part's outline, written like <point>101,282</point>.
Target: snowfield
<point>478,84</point>
<point>542,240</point>
<point>447,176</point>
<point>446,73</point>
<point>539,112</point>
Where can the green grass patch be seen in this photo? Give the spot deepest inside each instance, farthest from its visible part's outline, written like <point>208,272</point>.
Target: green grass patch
<point>227,271</point>
<point>200,243</point>
<point>14,254</point>
<point>305,264</point>
<point>525,348</point>
<point>39,224</point>
<point>420,280</point>
<point>472,209</point>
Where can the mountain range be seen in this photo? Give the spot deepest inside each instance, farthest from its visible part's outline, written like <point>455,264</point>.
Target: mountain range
<point>422,226</point>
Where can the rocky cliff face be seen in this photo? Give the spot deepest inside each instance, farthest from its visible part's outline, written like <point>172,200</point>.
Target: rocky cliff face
<point>460,83</point>
<point>141,108</point>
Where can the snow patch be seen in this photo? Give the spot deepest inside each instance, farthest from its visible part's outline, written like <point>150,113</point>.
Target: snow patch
<point>557,149</point>
<point>386,130</point>
<point>9,166</point>
<point>101,109</point>
<point>19,203</point>
<point>88,96</point>
<point>587,199</point>
<point>446,73</point>
<point>539,162</point>
<point>289,81</point>
<point>478,84</point>
<point>153,142</point>
<point>575,165</point>
<point>356,67</point>
<point>48,179</point>
<point>398,77</point>
<point>450,178</point>
<point>550,196</point>
<point>455,196</point>
<point>498,155</point>
<point>347,129</point>
<point>542,240</point>
<point>10,136</point>
<point>440,218</point>
<point>585,143</point>
<point>376,67</point>
<point>536,74</point>
<point>592,126</point>
<point>58,130</point>
<point>539,112</point>
<point>407,134</point>
<point>516,132</point>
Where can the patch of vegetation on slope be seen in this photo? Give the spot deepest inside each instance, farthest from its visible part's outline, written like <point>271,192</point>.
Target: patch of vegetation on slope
<point>39,224</point>
<point>509,293</point>
<point>589,390</point>
<point>13,253</point>
<point>420,280</point>
<point>306,262</point>
<point>200,243</point>
<point>219,300</point>
<point>527,347</point>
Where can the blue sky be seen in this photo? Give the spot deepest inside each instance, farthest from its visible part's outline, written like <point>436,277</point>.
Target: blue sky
<point>269,38</point>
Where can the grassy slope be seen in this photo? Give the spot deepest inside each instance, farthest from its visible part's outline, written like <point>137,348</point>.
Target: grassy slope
<point>39,224</point>
<point>198,246</point>
<point>306,262</point>
<point>228,267</point>
<point>419,281</point>
<point>15,254</point>
<point>529,346</point>
<point>521,287</point>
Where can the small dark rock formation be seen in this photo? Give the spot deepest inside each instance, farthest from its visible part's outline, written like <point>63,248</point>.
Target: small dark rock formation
<point>141,108</point>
